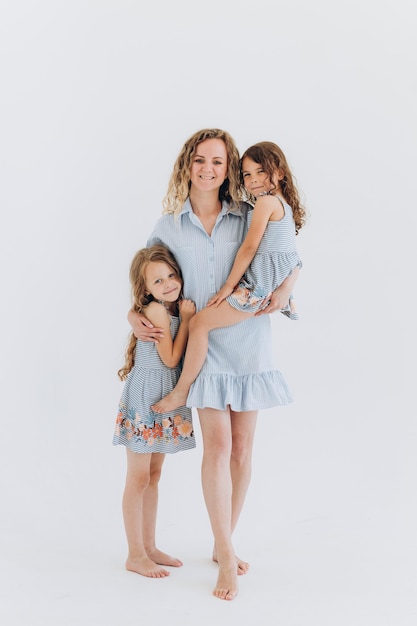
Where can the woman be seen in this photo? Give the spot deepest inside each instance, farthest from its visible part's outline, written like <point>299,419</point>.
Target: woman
<point>204,225</point>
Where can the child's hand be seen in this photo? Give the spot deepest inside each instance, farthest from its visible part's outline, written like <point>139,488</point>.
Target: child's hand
<point>220,296</point>
<point>186,309</point>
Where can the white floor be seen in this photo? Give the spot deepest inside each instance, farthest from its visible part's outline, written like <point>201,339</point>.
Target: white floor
<point>329,531</point>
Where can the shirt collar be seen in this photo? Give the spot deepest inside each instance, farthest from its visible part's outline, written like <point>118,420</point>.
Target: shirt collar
<point>224,210</point>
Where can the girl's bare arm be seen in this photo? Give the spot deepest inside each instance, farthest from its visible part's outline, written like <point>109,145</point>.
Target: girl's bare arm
<point>264,208</point>
<point>170,350</point>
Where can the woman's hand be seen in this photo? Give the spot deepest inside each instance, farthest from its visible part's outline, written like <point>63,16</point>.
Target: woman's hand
<point>143,329</point>
<point>187,309</point>
<point>280,298</point>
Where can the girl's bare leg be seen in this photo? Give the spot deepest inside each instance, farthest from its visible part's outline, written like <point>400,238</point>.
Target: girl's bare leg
<point>200,325</point>
<point>150,507</point>
<point>243,434</point>
<point>137,481</point>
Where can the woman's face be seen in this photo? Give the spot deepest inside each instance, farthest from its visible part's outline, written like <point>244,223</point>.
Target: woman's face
<point>209,165</point>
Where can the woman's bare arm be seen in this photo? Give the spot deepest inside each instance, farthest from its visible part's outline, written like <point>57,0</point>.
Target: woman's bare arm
<point>143,328</point>
<point>281,296</point>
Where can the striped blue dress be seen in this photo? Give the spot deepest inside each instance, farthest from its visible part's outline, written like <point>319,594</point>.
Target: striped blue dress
<point>239,370</point>
<point>137,426</point>
<point>273,262</point>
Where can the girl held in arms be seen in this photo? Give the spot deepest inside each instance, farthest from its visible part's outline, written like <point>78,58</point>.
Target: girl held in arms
<point>267,256</point>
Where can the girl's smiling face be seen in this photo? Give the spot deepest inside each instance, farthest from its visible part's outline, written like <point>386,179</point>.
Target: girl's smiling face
<point>256,180</point>
<point>162,282</point>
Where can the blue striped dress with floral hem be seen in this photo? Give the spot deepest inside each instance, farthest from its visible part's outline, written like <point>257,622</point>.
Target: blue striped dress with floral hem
<point>137,426</point>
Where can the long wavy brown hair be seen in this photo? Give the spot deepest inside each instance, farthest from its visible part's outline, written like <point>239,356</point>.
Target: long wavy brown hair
<point>140,297</point>
<point>179,182</point>
<point>271,158</point>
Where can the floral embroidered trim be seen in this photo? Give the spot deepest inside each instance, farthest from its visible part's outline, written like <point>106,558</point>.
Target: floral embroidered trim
<point>150,430</point>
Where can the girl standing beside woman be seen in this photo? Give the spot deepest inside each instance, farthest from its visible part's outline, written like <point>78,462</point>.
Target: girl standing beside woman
<point>204,224</point>
<point>151,369</point>
<point>267,256</point>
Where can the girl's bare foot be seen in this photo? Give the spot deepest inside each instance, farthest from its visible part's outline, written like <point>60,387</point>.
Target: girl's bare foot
<point>163,559</point>
<point>226,586</point>
<point>242,566</point>
<point>171,401</point>
<point>146,567</point>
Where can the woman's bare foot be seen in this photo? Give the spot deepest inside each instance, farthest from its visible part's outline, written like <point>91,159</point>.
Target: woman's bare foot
<point>163,559</point>
<point>226,586</point>
<point>146,567</point>
<point>171,401</point>
<point>242,566</point>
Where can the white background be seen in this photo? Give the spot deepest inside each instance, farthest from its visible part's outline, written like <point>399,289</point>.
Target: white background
<point>97,98</point>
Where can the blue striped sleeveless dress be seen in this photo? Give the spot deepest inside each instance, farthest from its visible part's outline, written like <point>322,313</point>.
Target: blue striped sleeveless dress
<point>273,262</point>
<point>137,426</point>
<point>240,369</point>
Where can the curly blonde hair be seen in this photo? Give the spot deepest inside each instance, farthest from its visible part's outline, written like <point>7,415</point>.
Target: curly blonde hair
<point>271,157</point>
<point>140,297</point>
<point>179,183</point>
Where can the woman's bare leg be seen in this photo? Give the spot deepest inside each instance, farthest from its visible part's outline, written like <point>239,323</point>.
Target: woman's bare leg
<point>243,434</point>
<point>218,487</point>
<point>137,481</point>
<point>150,508</point>
<point>200,325</point>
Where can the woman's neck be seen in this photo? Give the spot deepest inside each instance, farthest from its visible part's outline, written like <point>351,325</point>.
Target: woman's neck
<point>206,206</point>
<point>205,203</point>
